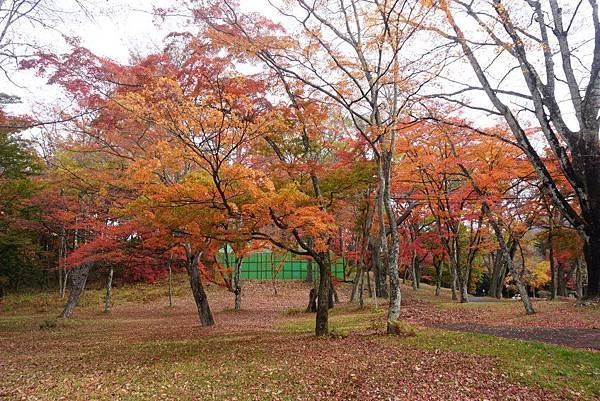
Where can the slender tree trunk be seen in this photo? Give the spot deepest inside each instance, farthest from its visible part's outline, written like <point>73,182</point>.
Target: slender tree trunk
<point>170,290</point>
<point>375,293</point>
<point>79,277</point>
<point>368,274</point>
<point>460,270</point>
<point>454,279</point>
<point>503,267</point>
<point>393,249</point>
<point>309,271</point>
<point>438,278</point>
<point>508,259</point>
<point>469,275</point>
<point>380,273</point>
<point>204,313</point>
<point>64,284</point>
<point>312,301</point>
<point>579,279</point>
<point>322,319</point>
<point>331,296</point>
<point>361,289</point>
<point>356,284</point>
<point>464,293</point>
<point>553,275</point>
<point>237,283</point>
<point>465,283</point>
<point>108,291</point>
<point>413,270</point>
<point>336,297</point>
<point>60,280</point>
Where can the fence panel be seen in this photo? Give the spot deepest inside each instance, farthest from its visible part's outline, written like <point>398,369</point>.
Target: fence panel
<point>269,266</point>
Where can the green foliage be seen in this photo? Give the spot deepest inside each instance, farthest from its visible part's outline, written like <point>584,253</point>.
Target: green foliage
<point>19,244</point>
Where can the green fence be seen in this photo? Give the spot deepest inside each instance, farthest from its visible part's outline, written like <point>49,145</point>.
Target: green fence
<point>269,266</point>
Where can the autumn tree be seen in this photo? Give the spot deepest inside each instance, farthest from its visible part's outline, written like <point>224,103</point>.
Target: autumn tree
<point>537,47</point>
<point>350,54</point>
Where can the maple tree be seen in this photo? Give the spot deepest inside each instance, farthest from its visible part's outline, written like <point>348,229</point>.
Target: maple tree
<point>327,149</point>
<point>375,98</point>
<point>339,135</point>
<point>541,57</point>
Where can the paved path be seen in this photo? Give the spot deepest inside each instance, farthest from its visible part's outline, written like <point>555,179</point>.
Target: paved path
<point>577,338</point>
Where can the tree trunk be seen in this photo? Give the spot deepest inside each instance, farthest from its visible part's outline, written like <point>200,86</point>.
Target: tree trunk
<point>60,279</point>
<point>379,273</point>
<point>361,289</point>
<point>372,291</point>
<point>237,284</point>
<point>62,265</point>
<point>591,251</point>
<point>309,271</point>
<point>413,270</point>
<point>170,290</point>
<point>553,275</point>
<point>508,259</point>
<point>64,284</point>
<point>204,313</point>
<point>438,278</point>
<point>312,301</point>
<point>322,319</point>
<point>385,165</point>
<point>501,278</point>
<point>356,284</point>
<point>469,275</point>
<point>579,279</point>
<point>454,279</point>
<point>502,268</point>
<point>495,274</point>
<point>336,297</point>
<point>460,274</point>
<point>464,293</point>
<point>465,284</point>
<point>331,297</point>
<point>562,280</point>
<point>79,277</point>
<point>108,291</point>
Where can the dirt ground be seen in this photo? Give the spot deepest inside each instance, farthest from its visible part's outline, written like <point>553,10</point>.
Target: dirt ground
<point>144,351</point>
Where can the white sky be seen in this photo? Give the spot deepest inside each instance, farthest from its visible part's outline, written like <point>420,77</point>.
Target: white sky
<point>116,29</point>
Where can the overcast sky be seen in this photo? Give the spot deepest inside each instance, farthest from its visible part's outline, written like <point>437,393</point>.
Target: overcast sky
<point>109,28</point>
<point>117,28</point>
